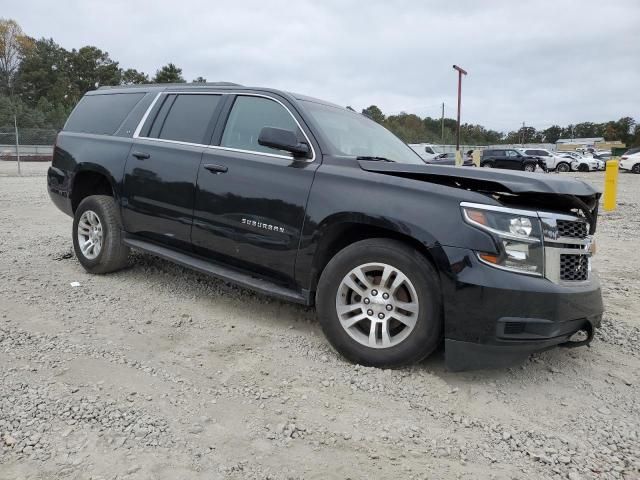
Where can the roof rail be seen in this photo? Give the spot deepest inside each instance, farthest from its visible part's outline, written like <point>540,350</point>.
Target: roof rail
<point>192,84</point>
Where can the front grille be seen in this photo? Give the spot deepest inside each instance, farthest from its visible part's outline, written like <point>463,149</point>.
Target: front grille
<point>568,228</point>
<point>574,268</point>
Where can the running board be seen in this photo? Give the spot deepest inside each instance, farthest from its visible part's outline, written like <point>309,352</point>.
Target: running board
<point>218,271</point>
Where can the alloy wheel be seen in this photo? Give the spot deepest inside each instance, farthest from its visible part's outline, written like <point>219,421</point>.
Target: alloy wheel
<point>90,234</point>
<point>377,305</point>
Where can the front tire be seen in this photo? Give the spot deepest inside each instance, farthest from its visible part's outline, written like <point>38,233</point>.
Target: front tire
<point>97,235</point>
<point>636,168</point>
<point>379,304</point>
<point>583,168</point>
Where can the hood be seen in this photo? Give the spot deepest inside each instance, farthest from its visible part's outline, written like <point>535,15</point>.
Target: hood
<point>485,179</point>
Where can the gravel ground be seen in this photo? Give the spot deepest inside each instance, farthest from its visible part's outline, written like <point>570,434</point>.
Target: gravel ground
<point>159,372</point>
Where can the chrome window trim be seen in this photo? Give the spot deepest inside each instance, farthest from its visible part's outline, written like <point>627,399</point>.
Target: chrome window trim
<point>136,133</point>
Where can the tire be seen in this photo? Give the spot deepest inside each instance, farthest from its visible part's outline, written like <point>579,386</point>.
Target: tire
<point>583,168</point>
<point>529,167</point>
<point>487,164</point>
<point>563,167</point>
<point>405,344</point>
<point>636,168</point>
<point>112,254</point>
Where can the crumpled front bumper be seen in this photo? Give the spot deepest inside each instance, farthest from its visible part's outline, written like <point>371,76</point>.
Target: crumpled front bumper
<point>495,318</point>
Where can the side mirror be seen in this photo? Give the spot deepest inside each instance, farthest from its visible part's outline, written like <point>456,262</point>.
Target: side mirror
<point>282,139</point>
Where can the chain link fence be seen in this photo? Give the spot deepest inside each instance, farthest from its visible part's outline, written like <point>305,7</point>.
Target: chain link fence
<point>29,145</point>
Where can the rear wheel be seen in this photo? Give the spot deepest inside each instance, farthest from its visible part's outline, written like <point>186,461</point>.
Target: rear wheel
<point>563,167</point>
<point>529,167</point>
<point>636,168</point>
<point>96,235</point>
<point>378,302</point>
<point>487,165</point>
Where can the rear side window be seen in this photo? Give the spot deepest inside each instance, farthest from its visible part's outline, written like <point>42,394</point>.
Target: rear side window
<point>189,118</point>
<point>101,114</point>
<point>248,116</point>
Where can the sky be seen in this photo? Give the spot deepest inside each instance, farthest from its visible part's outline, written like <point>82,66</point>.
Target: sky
<point>538,62</point>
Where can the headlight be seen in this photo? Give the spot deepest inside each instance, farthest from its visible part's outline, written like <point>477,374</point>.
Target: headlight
<point>518,234</point>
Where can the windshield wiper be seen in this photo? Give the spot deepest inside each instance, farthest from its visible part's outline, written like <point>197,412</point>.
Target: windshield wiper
<point>377,159</point>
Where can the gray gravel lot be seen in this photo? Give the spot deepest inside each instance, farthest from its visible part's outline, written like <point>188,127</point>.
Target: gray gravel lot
<point>159,372</point>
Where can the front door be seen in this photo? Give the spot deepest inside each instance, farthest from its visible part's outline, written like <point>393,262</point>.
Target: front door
<point>250,199</point>
<point>161,171</point>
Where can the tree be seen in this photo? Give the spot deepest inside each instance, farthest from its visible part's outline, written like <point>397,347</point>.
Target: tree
<point>92,68</point>
<point>14,45</point>
<point>199,80</point>
<point>45,73</point>
<point>169,74</point>
<point>552,134</point>
<point>131,76</point>
<point>374,113</point>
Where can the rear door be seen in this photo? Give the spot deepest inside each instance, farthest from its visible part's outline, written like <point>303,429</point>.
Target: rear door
<point>251,200</point>
<point>500,159</point>
<point>512,160</point>
<point>160,174</point>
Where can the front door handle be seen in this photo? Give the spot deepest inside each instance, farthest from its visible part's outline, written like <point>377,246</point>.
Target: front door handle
<point>141,155</point>
<point>215,168</point>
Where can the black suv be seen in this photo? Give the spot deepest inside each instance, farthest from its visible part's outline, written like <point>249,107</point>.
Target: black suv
<point>510,159</point>
<point>312,203</point>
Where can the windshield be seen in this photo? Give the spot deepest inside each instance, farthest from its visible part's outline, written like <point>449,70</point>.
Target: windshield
<point>353,134</point>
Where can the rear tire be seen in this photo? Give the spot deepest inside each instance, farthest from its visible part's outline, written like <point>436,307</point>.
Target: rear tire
<point>529,167</point>
<point>97,238</point>
<point>487,165</point>
<point>401,303</point>
<point>563,167</point>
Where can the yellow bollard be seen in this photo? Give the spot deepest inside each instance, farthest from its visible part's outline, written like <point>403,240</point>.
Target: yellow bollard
<point>476,157</point>
<point>458,158</point>
<point>610,185</point>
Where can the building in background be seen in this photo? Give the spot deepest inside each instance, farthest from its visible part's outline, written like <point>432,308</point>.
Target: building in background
<point>597,143</point>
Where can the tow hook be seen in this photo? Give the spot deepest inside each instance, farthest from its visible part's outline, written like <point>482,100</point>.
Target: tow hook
<point>580,338</point>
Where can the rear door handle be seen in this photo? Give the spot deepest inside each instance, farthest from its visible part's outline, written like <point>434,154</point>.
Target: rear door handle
<point>141,155</point>
<point>215,168</point>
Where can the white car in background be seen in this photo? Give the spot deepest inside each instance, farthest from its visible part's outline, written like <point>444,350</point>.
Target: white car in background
<point>587,164</point>
<point>551,159</point>
<point>630,160</point>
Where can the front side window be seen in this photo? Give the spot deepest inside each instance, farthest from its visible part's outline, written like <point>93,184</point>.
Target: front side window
<point>188,118</point>
<point>356,135</point>
<point>249,116</point>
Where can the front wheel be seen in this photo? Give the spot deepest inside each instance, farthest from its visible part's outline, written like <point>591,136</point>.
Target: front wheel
<point>378,302</point>
<point>636,168</point>
<point>96,235</point>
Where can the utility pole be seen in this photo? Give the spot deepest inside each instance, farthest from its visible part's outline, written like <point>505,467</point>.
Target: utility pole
<point>522,138</point>
<point>15,124</point>
<point>442,123</point>
<point>460,73</point>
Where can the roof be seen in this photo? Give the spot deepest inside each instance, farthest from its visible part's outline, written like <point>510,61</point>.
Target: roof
<point>580,140</point>
<point>146,87</point>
